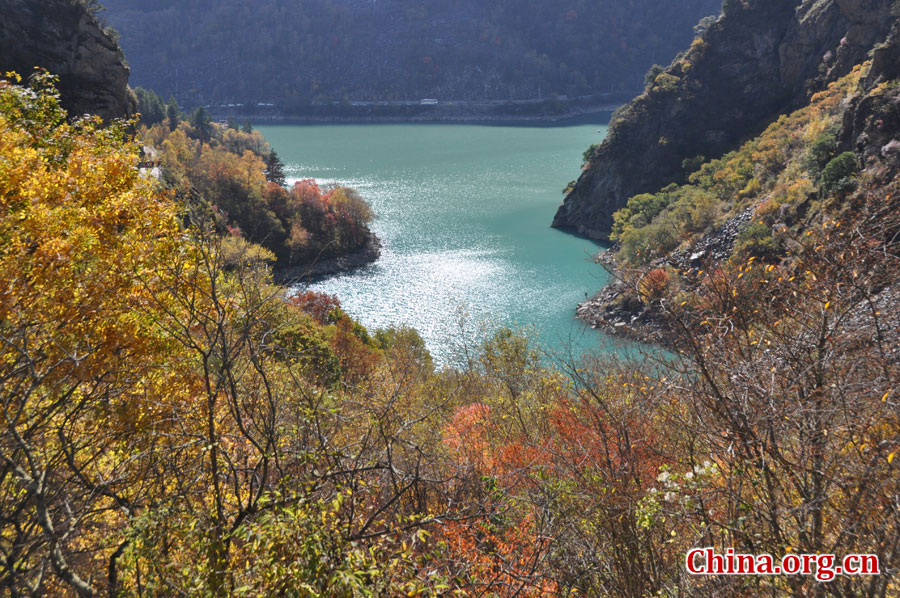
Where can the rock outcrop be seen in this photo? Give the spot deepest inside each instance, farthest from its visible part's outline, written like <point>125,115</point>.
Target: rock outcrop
<point>63,37</point>
<point>761,58</point>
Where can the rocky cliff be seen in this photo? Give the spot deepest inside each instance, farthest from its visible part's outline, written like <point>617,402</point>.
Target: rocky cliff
<point>761,58</point>
<point>63,37</point>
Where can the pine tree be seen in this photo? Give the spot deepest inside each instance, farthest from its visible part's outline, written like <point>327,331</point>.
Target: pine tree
<point>275,169</point>
<point>173,113</point>
<point>202,122</point>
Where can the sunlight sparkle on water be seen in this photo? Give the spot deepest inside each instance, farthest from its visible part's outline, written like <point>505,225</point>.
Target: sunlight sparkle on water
<point>463,213</point>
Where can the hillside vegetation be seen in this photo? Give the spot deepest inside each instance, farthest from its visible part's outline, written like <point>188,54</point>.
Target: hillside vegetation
<point>760,60</point>
<point>175,424</point>
<point>295,53</point>
<point>234,175</point>
<point>779,175</point>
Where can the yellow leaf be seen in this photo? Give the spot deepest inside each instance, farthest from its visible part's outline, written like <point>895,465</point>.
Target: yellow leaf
<point>891,458</point>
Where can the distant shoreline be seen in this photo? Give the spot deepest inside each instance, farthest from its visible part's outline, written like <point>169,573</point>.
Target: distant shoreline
<point>461,119</point>
<point>523,111</point>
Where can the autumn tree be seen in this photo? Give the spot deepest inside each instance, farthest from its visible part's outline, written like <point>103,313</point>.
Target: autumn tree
<point>170,422</point>
<point>787,393</point>
<point>79,228</point>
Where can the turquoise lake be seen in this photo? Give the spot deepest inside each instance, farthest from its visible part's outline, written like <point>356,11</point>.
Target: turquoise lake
<point>463,212</point>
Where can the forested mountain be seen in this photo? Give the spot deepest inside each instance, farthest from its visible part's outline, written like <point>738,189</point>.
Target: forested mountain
<point>291,52</point>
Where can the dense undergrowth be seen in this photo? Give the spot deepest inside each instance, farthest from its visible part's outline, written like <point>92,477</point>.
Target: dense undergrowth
<point>174,425</point>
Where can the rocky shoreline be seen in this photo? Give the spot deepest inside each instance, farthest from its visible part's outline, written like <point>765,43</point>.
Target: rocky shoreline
<point>617,310</point>
<point>366,254</point>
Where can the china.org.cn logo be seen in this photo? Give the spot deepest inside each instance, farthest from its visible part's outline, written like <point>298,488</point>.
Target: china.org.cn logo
<point>825,567</point>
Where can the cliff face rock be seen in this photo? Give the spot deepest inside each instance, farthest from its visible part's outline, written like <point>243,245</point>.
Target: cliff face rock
<point>871,126</point>
<point>762,58</point>
<point>67,40</point>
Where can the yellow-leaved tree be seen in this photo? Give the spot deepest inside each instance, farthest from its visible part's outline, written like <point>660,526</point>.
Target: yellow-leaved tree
<point>79,231</point>
<point>169,424</point>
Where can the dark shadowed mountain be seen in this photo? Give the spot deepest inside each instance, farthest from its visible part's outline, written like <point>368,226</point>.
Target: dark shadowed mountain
<point>295,52</point>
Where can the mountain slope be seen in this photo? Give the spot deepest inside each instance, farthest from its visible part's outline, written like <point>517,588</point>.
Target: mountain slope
<point>813,170</point>
<point>292,53</point>
<point>761,59</point>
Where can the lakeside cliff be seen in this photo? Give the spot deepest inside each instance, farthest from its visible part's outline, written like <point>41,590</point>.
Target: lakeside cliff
<point>760,59</point>
<point>66,38</point>
<point>812,146</point>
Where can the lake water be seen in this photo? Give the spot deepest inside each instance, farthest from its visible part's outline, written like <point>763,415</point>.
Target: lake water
<point>463,212</point>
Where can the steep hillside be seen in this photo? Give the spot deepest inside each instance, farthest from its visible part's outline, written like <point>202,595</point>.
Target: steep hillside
<point>761,59</point>
<point>63,37</point>
<point>812,169</point>
<point>294,53</point>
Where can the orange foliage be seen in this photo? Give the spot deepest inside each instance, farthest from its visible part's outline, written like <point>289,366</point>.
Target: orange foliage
<point>654,284</point>
<point>466,435</point>
<point>498,560</point>
<point>319,305</point>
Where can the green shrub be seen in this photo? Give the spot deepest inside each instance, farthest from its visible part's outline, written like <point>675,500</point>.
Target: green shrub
<point>755,240</point>
<point>406,341</point>
<point>655,71</point>
<point>837,174</point>
<point>640,211</point>
<point>821,151</point>
<point>666,83</point>
<point>653,223</point>
<point>643,245</point>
